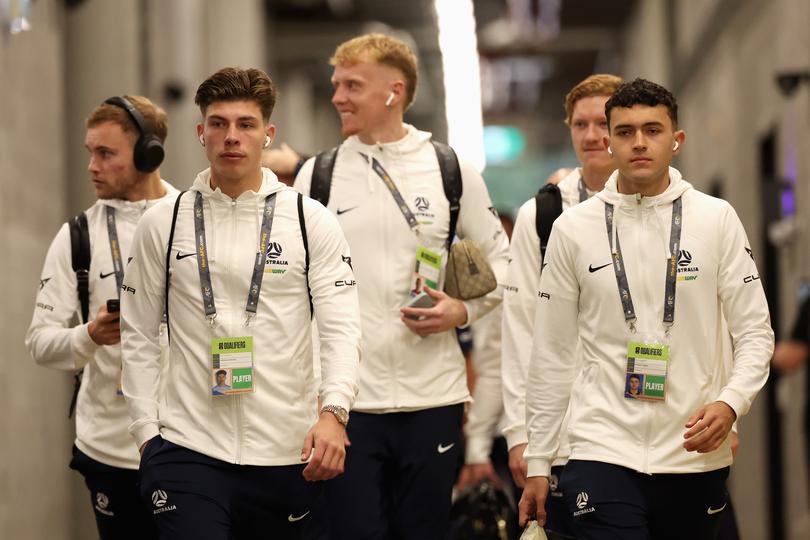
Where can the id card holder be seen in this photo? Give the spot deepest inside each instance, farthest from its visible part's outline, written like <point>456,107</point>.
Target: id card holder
<point>231,366</point>
<point>647,367</point>
<point>426,270</point>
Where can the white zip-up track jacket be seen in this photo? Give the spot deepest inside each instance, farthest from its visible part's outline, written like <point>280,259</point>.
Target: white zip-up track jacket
<point>519,302</point>
<point>717,279</point>
<point>101,413</point>
<point>400,370</point>
<point>267,426</point>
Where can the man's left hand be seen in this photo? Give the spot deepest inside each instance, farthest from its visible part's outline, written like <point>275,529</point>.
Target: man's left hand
<point>709,427</point>
<point>326,442</point>
<point>447,314</point>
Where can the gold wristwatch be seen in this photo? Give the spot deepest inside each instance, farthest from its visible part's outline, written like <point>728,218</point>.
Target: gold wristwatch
<point>340,413</point>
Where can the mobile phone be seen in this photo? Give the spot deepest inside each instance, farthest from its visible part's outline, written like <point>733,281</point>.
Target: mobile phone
<point>113,305</point>
<point>421,300</point>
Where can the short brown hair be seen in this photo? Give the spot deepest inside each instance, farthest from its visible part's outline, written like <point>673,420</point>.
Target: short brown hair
<point>235,84</point>
<point>595,85</point>
<point>384,50</point>
<point>155,116</point>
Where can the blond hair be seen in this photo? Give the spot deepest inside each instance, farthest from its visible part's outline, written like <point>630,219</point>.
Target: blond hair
<point>595,85</point>
<point>380,49</point>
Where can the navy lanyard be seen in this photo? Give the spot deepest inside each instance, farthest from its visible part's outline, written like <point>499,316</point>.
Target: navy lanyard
<point>389,183</point>
<point>258,266</point>
<point>672,267</point>
<point>115,249</point>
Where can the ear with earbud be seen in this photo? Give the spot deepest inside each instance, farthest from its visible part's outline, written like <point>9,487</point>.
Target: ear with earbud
<point>202,141</point>
<point>267,141</point>
<point>676,146</point>
<point>610,150</point>
<point>390,99</point>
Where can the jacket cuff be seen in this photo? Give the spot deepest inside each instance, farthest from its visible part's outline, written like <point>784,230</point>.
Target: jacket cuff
<point>470,311</point>
<point>337,399</point>
<point>733,400</point>
<point>515,436</point>
<point>83,346</point>
<point>477,450</point>
<point>143,431</point>
<point>538,467</point>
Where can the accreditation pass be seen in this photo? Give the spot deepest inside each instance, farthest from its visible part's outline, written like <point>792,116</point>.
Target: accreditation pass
<point>231,366</point>
<point>646,377</point>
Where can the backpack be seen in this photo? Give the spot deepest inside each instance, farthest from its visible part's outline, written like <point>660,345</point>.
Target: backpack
<point>80,262</point>
<point>549,207</point>
<point>448,166</point>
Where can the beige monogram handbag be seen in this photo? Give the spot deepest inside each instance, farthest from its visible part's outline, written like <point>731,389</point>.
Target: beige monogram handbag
<point>468,274</point>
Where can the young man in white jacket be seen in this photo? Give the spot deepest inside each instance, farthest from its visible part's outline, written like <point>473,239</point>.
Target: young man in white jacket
<point>124,172</point>
<point>669,264</point>
<point>249,261</point>
<point>585,118</point>
<point>407,420</point>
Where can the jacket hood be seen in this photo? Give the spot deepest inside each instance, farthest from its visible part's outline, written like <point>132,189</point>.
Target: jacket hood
<point>270,184</point>
<point>677,187</point>
<point>625,204</point>
<point>412,141</point>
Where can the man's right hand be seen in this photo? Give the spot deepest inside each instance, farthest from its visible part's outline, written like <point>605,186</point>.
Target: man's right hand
<point>105,329</point>
<point>533,502</point>
<point>518,465</point>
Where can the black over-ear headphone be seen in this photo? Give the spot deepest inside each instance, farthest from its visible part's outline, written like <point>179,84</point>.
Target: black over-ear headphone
<point>148,152</point>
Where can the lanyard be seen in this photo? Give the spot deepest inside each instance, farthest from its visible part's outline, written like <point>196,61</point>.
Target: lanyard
<point>672,267</point>
<point>389,183</point>
<point>258,266</point>
<point>115,249</point>
<point>583,192</point>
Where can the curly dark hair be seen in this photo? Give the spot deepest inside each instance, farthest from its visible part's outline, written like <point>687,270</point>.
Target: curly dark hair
<point>643,92</point>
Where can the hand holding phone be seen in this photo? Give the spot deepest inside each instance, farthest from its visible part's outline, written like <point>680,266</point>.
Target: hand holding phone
<point>421,300</point>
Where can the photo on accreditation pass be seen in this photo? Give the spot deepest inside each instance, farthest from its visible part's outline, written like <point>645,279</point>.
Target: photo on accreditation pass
<point>644,386</point>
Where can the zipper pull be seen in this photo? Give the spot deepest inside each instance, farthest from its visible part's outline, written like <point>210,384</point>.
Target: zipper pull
<point>638,198</point>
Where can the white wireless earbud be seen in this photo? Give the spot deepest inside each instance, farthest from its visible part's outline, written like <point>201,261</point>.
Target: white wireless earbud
<point>202,141</point>
<point>610,150</point>
<point>267,141</point>
<point>675,146</point>
<point>390,99</point>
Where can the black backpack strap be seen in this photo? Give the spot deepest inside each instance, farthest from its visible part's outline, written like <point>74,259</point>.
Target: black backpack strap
<point>549,207</point>
<point>303,225</point>
<point>80,262</point>
<point>169,260</point>
<point>451,181</point>
<point>321,183</point>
